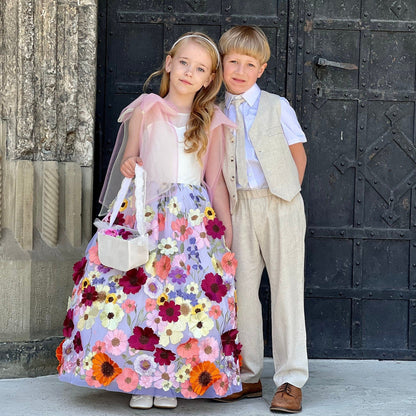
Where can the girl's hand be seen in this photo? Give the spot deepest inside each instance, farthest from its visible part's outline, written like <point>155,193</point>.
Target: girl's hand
<point>127,166</point>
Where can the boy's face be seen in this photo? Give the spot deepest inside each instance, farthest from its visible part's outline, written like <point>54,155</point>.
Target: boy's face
<point>241,72</point>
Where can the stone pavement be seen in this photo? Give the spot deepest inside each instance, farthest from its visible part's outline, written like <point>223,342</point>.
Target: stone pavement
<point>335,388</point>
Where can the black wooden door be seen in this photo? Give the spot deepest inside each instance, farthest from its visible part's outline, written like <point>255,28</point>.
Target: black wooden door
<point>133,36</point>
<point>358,108</point>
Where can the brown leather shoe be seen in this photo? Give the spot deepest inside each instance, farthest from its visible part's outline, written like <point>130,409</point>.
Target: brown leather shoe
<point>249,391</point>
<point>288,398</point>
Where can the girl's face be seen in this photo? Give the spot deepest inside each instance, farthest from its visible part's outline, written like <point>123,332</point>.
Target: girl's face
<point>190,69</point>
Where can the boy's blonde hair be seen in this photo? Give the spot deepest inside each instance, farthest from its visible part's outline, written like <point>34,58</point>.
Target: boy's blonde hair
<point>247,40</point>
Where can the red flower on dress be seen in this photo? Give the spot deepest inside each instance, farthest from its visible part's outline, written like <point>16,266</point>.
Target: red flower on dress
<point>119,219</point>
<point>78,343</point>
<point>133,280</point>
<point>161,222</point>
<point>170,311</point>
<point>59,356</point>
<point>79,268</point>
<point>89,295</point>
<point>68,323</point>
<point>228,341</point>
<point>214,287</point>
<point>215,228</point>
<point>143,339</point>
<point>164,357</point>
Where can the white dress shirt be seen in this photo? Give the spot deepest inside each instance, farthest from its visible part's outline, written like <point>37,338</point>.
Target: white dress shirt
<point>288,120</point>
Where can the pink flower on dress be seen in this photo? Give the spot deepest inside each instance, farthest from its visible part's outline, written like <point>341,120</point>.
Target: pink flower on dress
<point>180,229</point>
<point>162,267</point>
<point>91,380</point>
<point>221,385</point>
<point>150,304</point>
<point>231,304</point>
<point>208,349</point>
<point>179,261</point>
<point>229,263</point>
<point>188,349</point>
<point>146,381</point>
<point>186,390</point>
<point>215,311</point>
<point>153,231</point>
<point>129,221</point>
<point>128,380</point>
<point>155,322</point>
<point>165,374</point>
<point>129,305</point>
<point>201,236</point>
<point>161,221</point>
<point>93,254</point>
<point>116,342</point>
<point>99,346</point>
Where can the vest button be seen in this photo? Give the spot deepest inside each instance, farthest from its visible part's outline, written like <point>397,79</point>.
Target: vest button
<point>232,159</point>
<point>232,178</point>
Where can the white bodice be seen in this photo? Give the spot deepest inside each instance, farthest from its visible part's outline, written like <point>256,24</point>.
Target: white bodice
<point>189,169</point>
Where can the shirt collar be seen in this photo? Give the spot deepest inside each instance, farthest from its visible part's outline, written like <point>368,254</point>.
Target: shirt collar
<point>250,96</point>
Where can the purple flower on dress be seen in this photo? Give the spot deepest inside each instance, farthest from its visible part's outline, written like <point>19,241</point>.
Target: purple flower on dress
<point>177,275</point>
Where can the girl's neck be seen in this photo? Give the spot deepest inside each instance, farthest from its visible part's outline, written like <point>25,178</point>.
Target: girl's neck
<point>183,104</point>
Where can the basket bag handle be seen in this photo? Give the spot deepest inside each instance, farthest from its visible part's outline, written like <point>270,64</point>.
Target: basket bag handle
<point>140,198</point>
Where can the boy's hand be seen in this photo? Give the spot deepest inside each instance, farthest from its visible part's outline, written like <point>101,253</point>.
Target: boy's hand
<point>128,165</point>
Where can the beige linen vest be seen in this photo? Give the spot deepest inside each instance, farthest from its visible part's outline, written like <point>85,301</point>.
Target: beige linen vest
<point>272,151</point>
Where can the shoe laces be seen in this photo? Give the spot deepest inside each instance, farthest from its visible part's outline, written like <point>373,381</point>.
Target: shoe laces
<point>286,388</point>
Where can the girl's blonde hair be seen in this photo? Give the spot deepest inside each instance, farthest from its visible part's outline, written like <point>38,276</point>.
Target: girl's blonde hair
<point>246,40</point>
<point>202,111</point>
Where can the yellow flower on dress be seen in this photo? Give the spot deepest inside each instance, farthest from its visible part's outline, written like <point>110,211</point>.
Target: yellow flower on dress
<point>183,373</point>
<point>217,266</point>
<point>124,205</point>
<point>162,299</point>
<point>86,321</point>
<point>150,265</point>
<point>209,213</point>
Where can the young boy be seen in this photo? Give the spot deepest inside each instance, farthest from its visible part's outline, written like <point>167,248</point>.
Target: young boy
<point>264,166</point>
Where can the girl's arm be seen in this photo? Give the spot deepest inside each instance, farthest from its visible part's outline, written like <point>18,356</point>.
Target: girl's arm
<point>221,205</point>
<point>299,156</point>
<point>132,151</point>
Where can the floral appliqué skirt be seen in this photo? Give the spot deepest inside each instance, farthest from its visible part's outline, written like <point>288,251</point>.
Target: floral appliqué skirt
<point>167,328</point>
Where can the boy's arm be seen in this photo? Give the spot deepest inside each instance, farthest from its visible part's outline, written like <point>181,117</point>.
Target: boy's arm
<point>299,156</point>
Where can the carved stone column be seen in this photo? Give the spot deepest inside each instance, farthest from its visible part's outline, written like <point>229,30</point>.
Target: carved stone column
<point>47,107</point>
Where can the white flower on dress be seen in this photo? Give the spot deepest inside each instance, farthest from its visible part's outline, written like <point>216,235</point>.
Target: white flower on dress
<point>195,216</point>
<point>149,214</point>
<point>111,316</point>
<point>183,373</point>
<point>87,319</point>
<point>173,333</point>
<point>168,246</point>
<point>200,324</point>
<point>145,365</point>
<point>153,288</point>
<point>174,206</point>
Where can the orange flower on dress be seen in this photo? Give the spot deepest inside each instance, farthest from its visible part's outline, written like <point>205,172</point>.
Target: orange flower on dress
<point>58,355</point>
<point>203,376</point>
<point>229,263</point>
<point>163,267</point>
<point>104,369</point>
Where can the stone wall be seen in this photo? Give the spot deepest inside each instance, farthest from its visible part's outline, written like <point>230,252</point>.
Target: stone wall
<point>47,107</point>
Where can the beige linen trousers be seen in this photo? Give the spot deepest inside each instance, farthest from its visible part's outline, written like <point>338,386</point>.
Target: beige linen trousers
<point>270,232</point>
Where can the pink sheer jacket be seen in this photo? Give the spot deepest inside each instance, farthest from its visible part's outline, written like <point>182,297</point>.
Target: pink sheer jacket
<point>159,148</point>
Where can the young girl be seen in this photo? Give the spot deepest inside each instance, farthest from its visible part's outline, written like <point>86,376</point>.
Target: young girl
<point>166,329</point>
